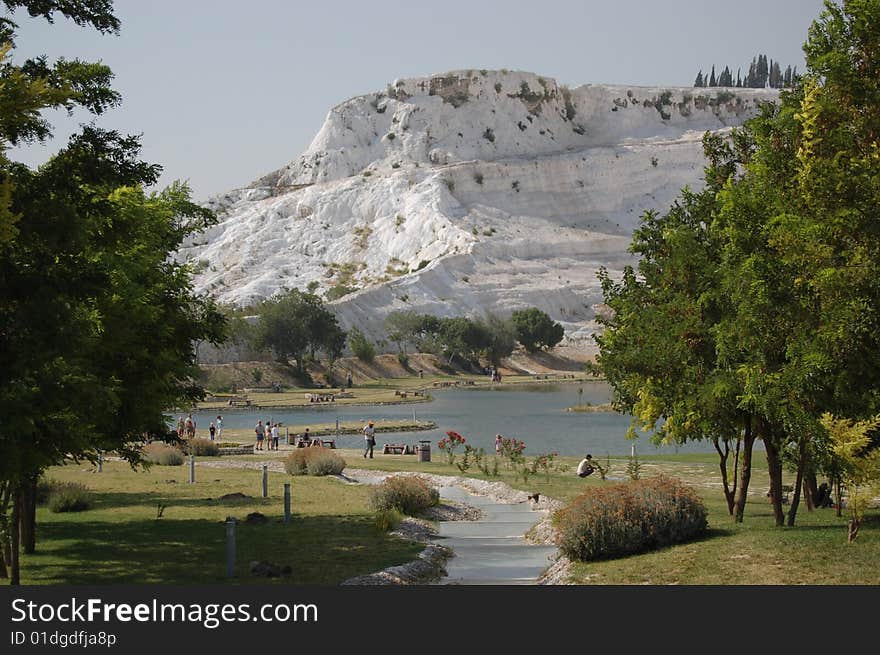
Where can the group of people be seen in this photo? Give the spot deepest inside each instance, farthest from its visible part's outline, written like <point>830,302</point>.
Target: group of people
<point>267,433</point>
<point>186,428</point>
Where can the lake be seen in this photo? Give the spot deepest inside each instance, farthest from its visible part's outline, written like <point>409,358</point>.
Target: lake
<point>535,415</point>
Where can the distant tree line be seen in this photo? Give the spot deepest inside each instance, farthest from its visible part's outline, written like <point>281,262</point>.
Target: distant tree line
<point>762,73</point>
<point>295,326</point>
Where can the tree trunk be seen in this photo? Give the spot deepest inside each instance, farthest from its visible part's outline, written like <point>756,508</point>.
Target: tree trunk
<point>796,492</point>
<point>15,520</point>
<point>5,551</point>
<point>722,464</point>
<point>745,471</point>
<point>838,496</point>
<point>29,515</point>
<point>811,485</point>
<point>853,531</point>
<point>774,463</point>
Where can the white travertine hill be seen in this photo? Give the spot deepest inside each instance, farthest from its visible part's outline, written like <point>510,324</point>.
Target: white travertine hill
<point>465,193</point>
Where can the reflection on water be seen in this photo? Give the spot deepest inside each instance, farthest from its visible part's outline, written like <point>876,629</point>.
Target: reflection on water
<point>536,416</point>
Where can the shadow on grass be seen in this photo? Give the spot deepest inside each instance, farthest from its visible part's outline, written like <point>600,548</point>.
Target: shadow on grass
<point>105,500</point>
<point>320,550</point>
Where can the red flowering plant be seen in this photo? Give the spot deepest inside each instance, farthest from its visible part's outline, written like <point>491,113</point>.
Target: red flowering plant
<point>512,451</point>
<point>449,443</point>
<point>544,462</point>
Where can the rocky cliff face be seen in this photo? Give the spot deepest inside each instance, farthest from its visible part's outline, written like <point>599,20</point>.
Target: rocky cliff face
<point>465,193</point>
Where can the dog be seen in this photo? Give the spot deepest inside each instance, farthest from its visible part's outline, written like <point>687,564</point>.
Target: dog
<point>535,496</point>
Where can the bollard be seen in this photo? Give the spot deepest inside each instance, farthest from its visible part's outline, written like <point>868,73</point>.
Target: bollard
<point>632,451</point>
<point>265,480</point>
<point>230,546</point>
<point>100,461</point>
<point>287,502</point>
<point>192,469</point>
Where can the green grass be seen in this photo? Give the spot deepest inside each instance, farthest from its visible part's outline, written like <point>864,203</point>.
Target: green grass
<point>331,536</point>
<point>754,552</point>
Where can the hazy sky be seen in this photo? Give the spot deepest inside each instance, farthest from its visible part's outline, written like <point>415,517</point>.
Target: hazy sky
<point>224,92</point>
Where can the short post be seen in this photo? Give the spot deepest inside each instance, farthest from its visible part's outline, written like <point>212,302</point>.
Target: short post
<point>100,461</point>
<point>230,546</point>
<point>265,480</point>
<point>287,502</point>
<point>192,469</point>
<point>632,451</point>
<point>287,434</point>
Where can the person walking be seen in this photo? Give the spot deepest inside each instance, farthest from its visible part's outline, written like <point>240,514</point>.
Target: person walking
<point>219,428</point>
<point>369,440</point>
<point>275,437</point>
<point>261,434</point>
<point>498,442</point>
<point>212,430</point>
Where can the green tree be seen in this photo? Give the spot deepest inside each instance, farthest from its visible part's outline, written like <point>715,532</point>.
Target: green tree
<point>362,348</point>
<point>500,338</point>
<point>295,325</point>
<point>856,463</point>
<point>535,330</point>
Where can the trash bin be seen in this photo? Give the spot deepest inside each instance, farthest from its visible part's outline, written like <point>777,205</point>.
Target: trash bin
<point>424,451</point>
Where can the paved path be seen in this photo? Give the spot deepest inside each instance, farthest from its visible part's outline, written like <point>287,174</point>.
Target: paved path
<point>492,551</point>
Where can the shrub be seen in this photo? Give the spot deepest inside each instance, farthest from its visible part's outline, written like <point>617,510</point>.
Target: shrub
<point>623,519</point>
<point>406,494</point>
<point>162,454</point>
<point>202,448</point>
<point>403,359</point>
<point>323,462</point>
<point>69,497</point>
<point>362,349</point>
<point>388,519</point>
<point>313,461</point>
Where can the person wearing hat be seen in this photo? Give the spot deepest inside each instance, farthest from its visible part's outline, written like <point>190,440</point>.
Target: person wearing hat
<point>586,467</point>
<point>370,439</point>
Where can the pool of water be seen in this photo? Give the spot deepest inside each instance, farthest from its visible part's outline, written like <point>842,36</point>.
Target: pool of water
<point>535,415</point>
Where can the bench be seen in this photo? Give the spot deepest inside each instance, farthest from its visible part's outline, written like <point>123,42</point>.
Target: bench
<point>324,443</point>
<point>320,397</point>
<point>239,402</point>
<point>398,449</point>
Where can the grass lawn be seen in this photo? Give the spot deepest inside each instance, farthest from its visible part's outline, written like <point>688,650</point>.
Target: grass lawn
<point>754,552</point>
<point>332,535</point>
<point>330,538</point>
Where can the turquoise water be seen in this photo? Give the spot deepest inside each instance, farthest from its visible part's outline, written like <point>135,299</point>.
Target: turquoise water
<point>535,415</point>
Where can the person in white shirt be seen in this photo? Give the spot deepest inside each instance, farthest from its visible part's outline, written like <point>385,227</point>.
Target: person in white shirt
<point>219,427</point>
<point>586,467</point>
<point>369,439</point>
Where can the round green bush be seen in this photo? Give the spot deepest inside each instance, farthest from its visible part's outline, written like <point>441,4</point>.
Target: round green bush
<point>634,517</point>
<point>69,497</point>
<point>404,493</point>
<point>162,454</point>
<point>313,461</point>
<point>202,448</point>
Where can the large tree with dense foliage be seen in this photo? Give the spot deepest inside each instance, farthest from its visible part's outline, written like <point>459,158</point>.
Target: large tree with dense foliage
<point>294,325</point>
<point>535,330</point>
<point>773,288</point>
<point>98,323</point>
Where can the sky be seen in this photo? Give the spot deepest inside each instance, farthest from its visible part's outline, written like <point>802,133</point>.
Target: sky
<point>223,92</point>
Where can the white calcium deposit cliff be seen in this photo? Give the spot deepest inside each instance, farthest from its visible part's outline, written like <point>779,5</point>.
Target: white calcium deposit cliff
<point>465,193</point>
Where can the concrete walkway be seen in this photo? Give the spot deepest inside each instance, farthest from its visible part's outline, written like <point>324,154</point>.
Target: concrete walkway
<point>492,551</point>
